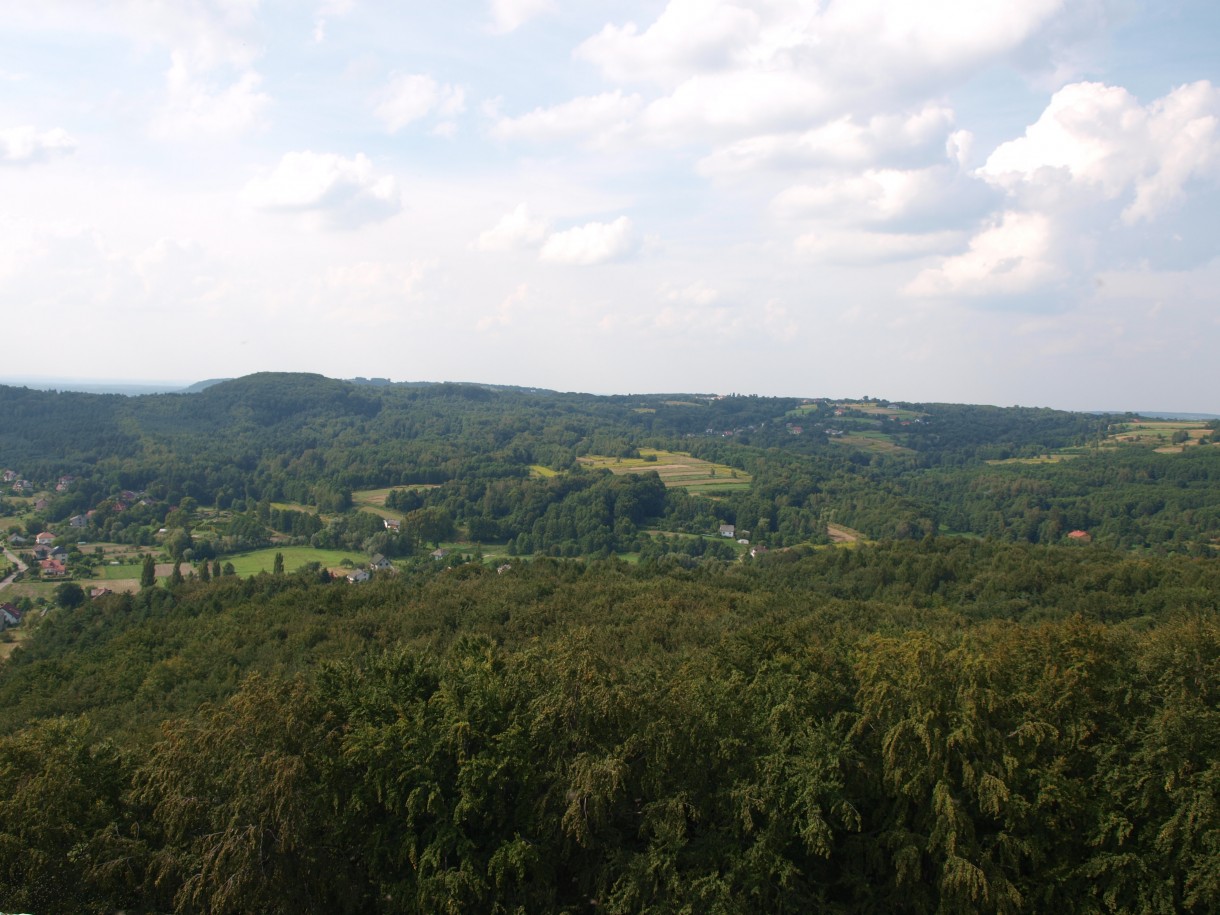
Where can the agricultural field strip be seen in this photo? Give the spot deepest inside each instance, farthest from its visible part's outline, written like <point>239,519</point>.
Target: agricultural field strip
<point>674,468</point>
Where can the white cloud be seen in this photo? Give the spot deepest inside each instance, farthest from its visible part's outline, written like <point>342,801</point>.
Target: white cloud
<point>1012,257</point>
<point>876,195</point>
<point>506,312</point>
<point>336,8</point>
<point>597,118</point>
<point>509,15</point>
<point>412,97</point>
<point>689,36</point>
<point>842,141</point>
<point>196,104</point>
<point>515,231</point>
<point>733,70</point>
<point>726,106</point>
<point>27,145</point>
<point>1100,140</point>
<point>593,243</point>
<point>694,294</point>
<point>368,291</point>
<point>858,248</point>
<point>345,191</point>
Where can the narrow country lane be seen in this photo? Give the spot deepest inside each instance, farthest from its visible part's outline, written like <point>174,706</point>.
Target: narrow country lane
<point>21,567</point>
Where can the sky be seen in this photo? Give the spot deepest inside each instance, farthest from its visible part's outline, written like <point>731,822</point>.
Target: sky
<point>973,201</point>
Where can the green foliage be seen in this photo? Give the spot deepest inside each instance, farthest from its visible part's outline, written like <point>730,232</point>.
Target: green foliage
<point>995,723</point>
<point>148,574</point>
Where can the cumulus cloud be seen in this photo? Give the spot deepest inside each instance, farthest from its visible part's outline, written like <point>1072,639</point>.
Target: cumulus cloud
<point>875,195</point>
<point>854,247</point>
<point>370,291</point>
<point>345,192</point>
<point>689,36</point>
<point>515,231</point>
<point>694,294</point>
<point>731,70</point>
<point>597,118</point>
<point>843,141</point>
<point>329,8</point>
<point>1099,139</point>
<point>1013,256</point>
<point>199,104</point>
<point>509,15</point>
<point>593,243</point>
<point>28,145</point>
<point>506,312</point>
<point>898,199</point>
<point>412,97</point>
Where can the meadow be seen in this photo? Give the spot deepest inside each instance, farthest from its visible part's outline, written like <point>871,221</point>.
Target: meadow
<point>676,469</point>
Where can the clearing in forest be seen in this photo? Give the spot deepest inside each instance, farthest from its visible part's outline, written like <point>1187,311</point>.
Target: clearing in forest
<point>373,500</point>
<point>870,441</point>
<point>1165,435</point>
<point>676,468</point>
<point>843,535</point>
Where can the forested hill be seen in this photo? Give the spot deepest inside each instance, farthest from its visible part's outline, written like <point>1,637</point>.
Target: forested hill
<point>290,644</point>
<point>501,459</point>
<point>948,726</point>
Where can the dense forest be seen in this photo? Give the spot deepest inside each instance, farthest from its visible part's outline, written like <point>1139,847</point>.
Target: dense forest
<point>880,656</point>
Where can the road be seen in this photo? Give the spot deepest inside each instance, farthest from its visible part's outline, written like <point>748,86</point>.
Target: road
<point>12,557</point>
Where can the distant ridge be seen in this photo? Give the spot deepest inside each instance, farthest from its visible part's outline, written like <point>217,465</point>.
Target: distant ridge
<point>202,385</point>
<point>1154,414</point>
<point>85,386</point>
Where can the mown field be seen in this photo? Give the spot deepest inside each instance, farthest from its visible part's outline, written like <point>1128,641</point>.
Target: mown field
<point>676,469</point>
<point>1159,433</point>
<point>879,442</point>
<point>295,557</point>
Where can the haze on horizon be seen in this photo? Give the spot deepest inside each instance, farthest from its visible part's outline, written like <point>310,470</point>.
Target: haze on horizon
<point>980,202</point>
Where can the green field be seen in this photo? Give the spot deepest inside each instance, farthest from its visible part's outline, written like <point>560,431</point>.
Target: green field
<point>1159,433</point>
<point>870,441</point>
<point>296,507</point>
<point>675,469</point>
<point>116,573</point>
<point>294,558</point>
<point>1053,458</point>
<point>538,470</point>
<point>870,409</point>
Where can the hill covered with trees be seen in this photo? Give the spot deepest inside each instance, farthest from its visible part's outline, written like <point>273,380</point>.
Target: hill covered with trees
<point>596,701</point>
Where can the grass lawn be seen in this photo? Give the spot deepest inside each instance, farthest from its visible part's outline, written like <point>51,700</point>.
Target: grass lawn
<point>119,572</point>
<point>11,639</point>
<point>375,498</point>
<point>676,469</point>
<point>294,558</point>
<point>32,590</point>
<point>297,507</point>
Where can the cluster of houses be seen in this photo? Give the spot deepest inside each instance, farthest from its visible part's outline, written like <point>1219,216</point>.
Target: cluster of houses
<point>378,564</point>
<point>23,487</point>
<point>51,559</point>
